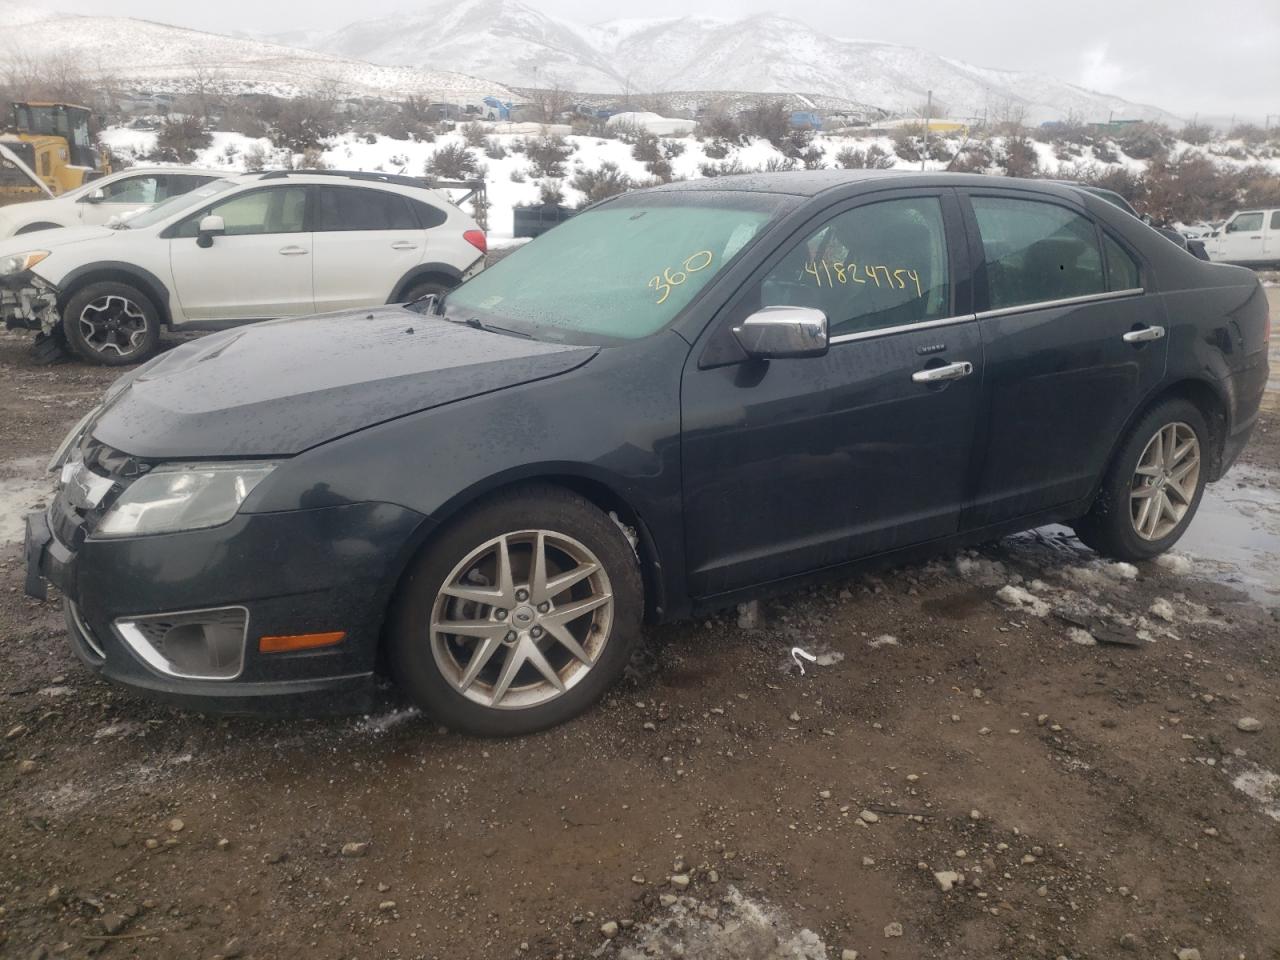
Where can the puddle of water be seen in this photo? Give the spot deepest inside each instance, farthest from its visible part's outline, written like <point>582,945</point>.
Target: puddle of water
<point>1235,537</point>
<point>23,484</point>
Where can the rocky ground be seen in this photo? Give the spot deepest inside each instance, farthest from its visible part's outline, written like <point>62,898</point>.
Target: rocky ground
<point>1016,752</point>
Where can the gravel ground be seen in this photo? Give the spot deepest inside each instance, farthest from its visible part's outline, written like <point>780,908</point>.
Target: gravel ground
<point>1020,751</point>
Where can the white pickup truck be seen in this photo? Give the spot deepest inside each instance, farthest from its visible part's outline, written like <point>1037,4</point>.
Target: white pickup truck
<point>1249,237</point>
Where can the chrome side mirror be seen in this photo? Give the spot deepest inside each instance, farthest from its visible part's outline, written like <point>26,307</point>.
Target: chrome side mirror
<point>784,332</point>
<point>210,227</point>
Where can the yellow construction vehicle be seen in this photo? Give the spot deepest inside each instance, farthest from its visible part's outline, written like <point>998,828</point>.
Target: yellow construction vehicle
<point>54,142</point>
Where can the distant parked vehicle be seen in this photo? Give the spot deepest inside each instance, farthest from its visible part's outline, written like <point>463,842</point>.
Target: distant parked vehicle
<point>805,120</point>
<point>97,202</point>
<point>250,247</point>
<point>1249,237</point>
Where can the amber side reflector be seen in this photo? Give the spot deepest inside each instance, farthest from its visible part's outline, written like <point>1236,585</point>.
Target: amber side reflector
<point>300,641</point>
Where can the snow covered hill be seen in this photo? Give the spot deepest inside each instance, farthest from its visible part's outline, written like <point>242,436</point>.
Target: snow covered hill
<point>140,54</point>
<point>516,44</point>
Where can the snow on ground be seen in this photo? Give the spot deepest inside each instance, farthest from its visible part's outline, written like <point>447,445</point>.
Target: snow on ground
<point>352,151</point>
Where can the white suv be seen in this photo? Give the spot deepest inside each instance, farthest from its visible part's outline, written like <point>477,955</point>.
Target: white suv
<point>250,247</point>
<point>98,201</point>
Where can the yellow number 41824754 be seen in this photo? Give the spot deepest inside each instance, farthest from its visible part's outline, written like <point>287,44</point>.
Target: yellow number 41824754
<point>842,273</point>
<point>664,282</point>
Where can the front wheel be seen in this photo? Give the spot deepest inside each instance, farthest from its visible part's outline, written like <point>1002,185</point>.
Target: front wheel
<point>1153,488</point>
<point>111,323</point>
<point>519,615</point>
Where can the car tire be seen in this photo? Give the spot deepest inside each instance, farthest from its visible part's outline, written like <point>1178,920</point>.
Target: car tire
<point>427,288</point>
<point>520,632</point>
<point>1117,525</point>
<point>111,323</point>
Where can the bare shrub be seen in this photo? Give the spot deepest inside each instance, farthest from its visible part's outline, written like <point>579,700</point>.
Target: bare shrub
<point>1018,158</point>
<point>1252,134</point>
<point>607,180</point>
<point>550,192</point>
<point>768,119</point>
<point>302,122</point>
<point>493,148</point>
<point>454,161</point>
<point>780,164</point>
<point>179,138</point>
<point>255,158</point>
<point>873,158</point>
<point>1197,133</point>
<point>1143,141</point>
<point>547,154</point>
<point>473,133</point>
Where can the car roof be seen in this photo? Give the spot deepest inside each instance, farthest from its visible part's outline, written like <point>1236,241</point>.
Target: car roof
<point>811,183</point>
<point>197,171</point>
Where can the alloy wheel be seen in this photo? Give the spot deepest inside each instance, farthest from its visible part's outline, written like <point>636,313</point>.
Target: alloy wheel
<point>1165,482</point>
<point>521,619</point>
<point>114,324</point>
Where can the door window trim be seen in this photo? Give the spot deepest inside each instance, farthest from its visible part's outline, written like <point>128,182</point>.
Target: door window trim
<point>1064,302</point>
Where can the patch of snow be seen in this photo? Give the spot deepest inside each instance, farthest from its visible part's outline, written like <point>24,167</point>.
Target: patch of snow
<point>885,640</point>
<point>1176,563</point>
<point>1083,637</point>
<point>734,928</point>
<point>23,484</point>
<point>382,722</point>
<point>1016,598</point>
<point>1261,785</point>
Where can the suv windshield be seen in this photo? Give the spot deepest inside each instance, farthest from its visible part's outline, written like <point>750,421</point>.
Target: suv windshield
<point>619,272</point>
<point>174,205</point>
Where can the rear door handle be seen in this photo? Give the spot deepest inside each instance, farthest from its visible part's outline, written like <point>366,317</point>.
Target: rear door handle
<point>1144,334</point>
<point>404,245</point>
<point>293,251</point>
<point>950,371</point>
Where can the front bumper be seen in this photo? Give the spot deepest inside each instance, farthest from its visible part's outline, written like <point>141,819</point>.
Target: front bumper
<point>28,302</point>
<point>297,572</point>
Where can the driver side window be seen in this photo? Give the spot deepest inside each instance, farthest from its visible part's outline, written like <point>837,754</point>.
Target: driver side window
<point>875,266</point>
<point>266,211</point>
<point>130,190</point>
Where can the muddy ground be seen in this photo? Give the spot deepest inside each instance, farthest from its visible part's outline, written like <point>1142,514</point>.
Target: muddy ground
<point>1051,737</point>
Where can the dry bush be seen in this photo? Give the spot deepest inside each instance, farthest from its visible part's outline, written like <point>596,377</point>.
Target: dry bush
<point>493,148</point>
<point>605,181</point>
<point>473,133</point>
<point>255,158</point>
<point>769,120</point>
<point>1197,133</point>
<point>302,122</point>
<point>1252,134</point>
<point>550,192</point>
<point>547,155</point>
<point>874,157</point>
<point>179,138</point>
<point>1018,158</point>
<point>1144,141</point>
<point>454,161</point>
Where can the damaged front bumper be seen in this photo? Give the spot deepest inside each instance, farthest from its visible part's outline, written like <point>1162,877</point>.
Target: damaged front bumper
<point>28,302</point>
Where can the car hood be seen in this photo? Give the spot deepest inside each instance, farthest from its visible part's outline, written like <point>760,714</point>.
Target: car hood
<point>53,240</point>
<point>281,387</point>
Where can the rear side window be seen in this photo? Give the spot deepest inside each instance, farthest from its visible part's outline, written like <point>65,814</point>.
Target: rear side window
<point>1275,219</point>
<point>1036,252</point>
<point>1122,269</point>
<point>1245,222</point>
<point>876,266</point>
<point>428,216</point>
<point>354,208</point>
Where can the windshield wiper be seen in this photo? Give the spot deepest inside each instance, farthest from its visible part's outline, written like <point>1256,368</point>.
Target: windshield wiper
<point>477,324</point>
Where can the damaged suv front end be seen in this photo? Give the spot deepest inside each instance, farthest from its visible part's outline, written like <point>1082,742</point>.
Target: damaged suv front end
<point>27,300</point>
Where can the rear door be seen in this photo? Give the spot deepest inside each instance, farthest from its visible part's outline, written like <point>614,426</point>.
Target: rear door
<point>793,465</point>
<point>259,270</point>
<point>1271,239</point>
<point>366,239</point>
<point>1073,342</point>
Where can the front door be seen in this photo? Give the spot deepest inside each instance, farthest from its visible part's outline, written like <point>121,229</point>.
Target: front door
<point>259,270</point>
<point>1241,238</point>
<point>794,465</point>
<point>1072,345</point>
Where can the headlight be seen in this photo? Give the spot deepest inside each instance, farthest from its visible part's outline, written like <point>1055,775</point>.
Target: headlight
<point>182,496</point>
<point>21,262</point>
<point>68,448</point>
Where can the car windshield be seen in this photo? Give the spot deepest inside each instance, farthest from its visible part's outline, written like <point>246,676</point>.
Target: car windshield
<point>174,205</point>
<point>617,273</point>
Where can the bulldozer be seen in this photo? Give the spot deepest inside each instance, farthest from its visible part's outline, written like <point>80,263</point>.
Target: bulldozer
<point>50,142</point>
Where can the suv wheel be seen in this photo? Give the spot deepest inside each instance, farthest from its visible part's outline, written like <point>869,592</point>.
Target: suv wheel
<point>111,323</point>
<point>519,616</point>
<point>1153,489</point>
<point>427,288</point>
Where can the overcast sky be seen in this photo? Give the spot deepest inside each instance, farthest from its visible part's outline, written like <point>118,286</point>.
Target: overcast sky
<point>1217,57</point>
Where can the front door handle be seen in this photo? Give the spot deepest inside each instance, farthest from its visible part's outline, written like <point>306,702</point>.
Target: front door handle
<point>1143,334</point>
<point>293,251</point>
<point>950,371</point>
<point>404,245</point>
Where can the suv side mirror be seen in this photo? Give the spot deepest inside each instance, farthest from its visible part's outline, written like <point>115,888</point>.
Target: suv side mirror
<point>780,333</point>
<point>95,196</point>
<point>210,227</point>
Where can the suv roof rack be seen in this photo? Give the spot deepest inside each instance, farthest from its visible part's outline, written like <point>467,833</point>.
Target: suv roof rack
<point>350,175</point>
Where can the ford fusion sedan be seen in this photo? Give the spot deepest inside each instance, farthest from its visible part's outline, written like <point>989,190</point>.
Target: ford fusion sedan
<point>247,248</point>
<point>678,399</point>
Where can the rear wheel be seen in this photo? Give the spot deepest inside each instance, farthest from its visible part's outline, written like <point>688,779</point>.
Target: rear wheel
<point>518,616</point>
<point>427,288</point>
<point>1152,490</point>
<point>111,323</point>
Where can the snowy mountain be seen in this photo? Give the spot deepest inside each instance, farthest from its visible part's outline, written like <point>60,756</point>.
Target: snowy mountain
<point>516,44</point>
<point>140,54</point>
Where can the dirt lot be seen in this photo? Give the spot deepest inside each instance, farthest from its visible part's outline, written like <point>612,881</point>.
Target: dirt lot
<point>965,772</point>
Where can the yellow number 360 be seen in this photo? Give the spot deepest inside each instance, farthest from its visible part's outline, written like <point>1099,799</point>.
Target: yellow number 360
<point>668,279</point>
